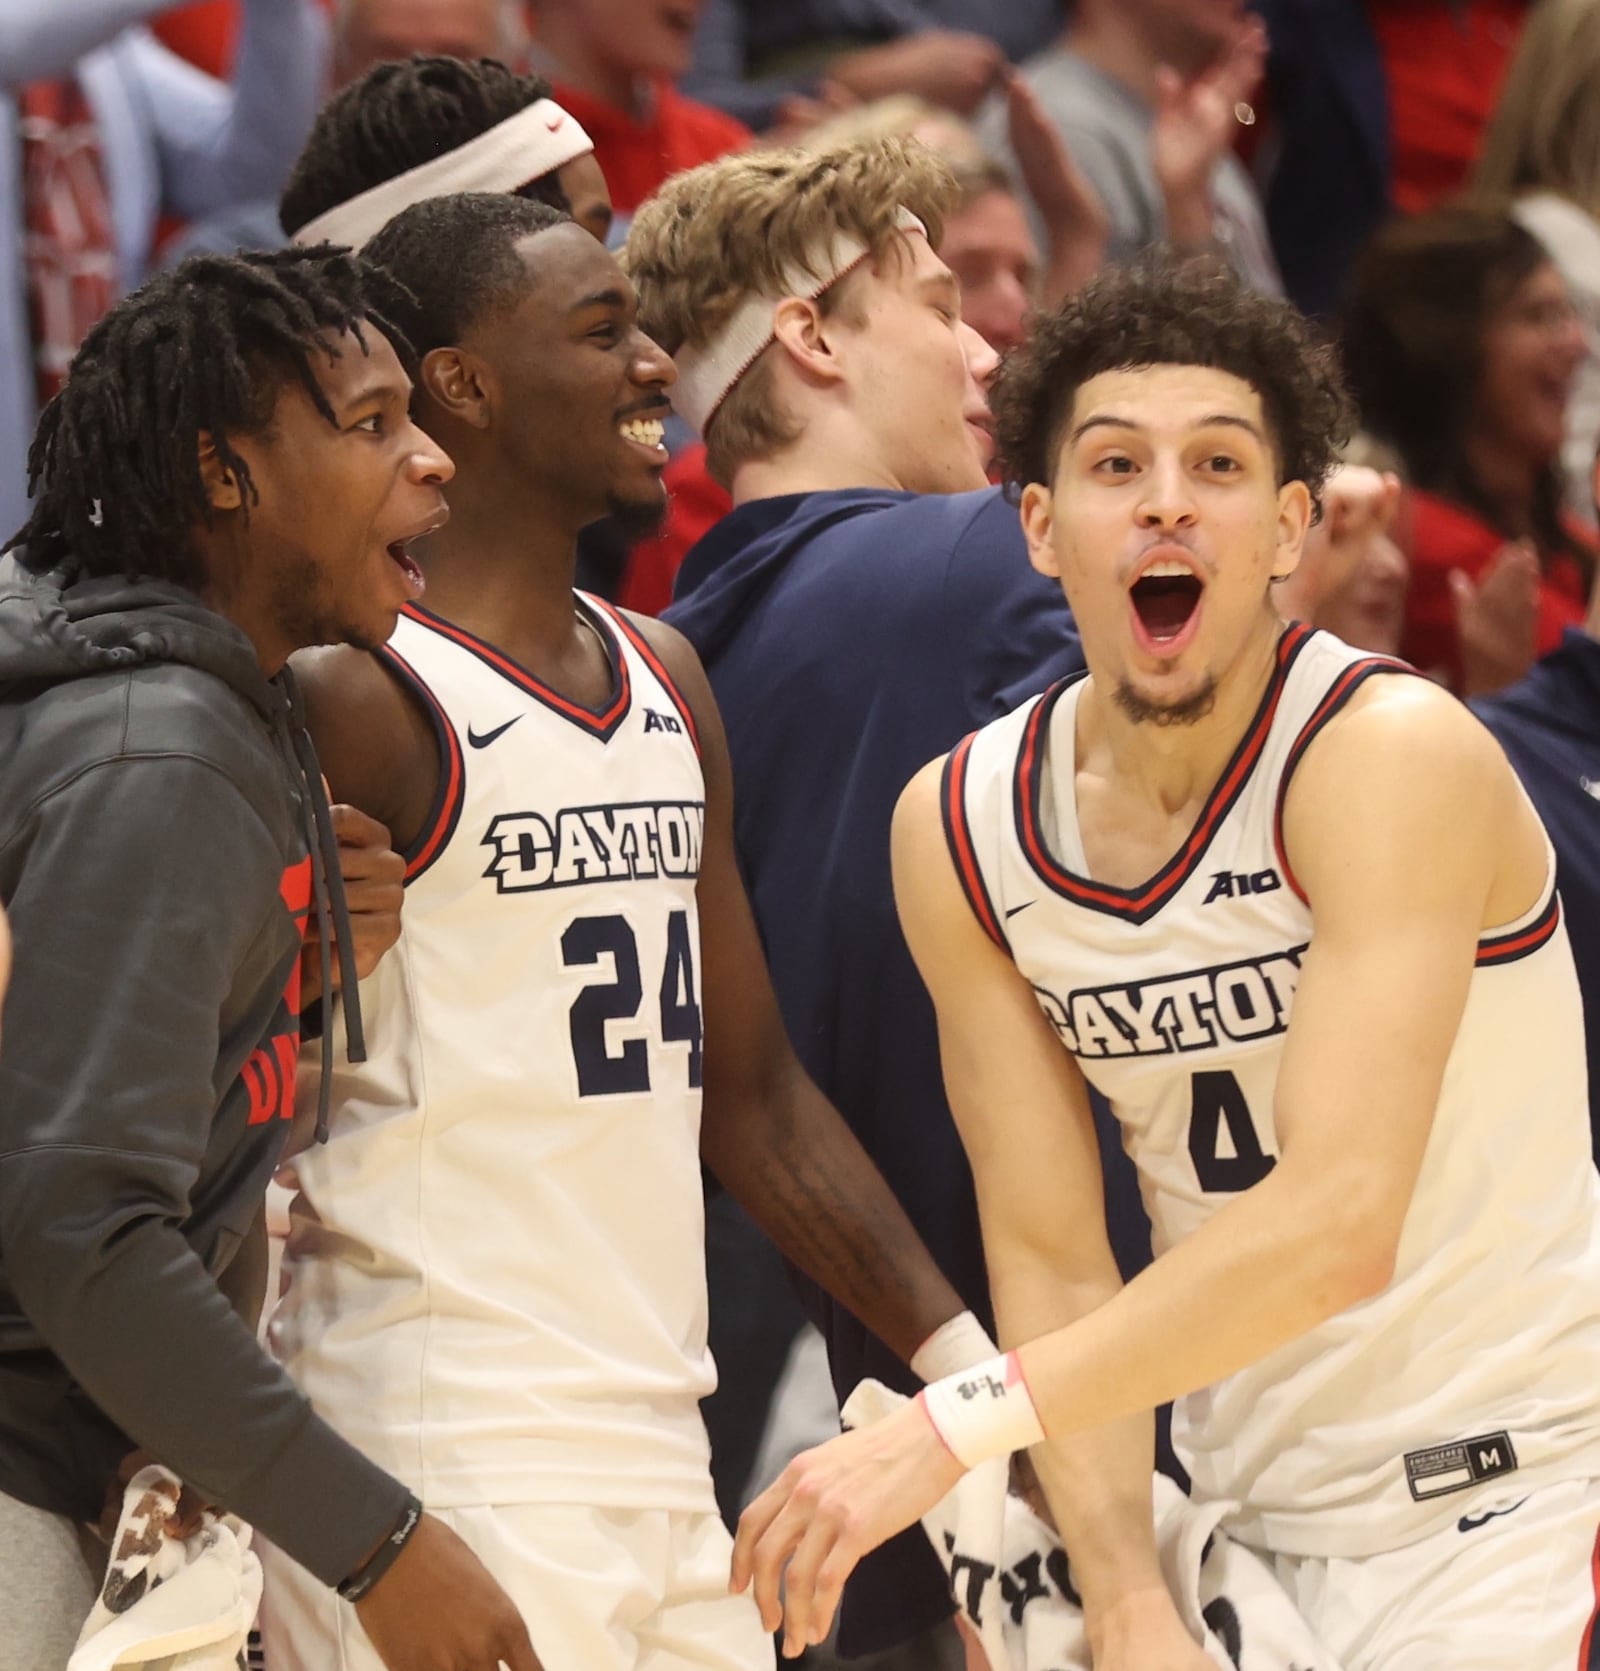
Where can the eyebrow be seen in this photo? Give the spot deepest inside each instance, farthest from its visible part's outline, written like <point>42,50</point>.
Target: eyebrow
<point>1212,420</point>
<point>612,298</point>
<point>947,282</point>
<point>388,390</point>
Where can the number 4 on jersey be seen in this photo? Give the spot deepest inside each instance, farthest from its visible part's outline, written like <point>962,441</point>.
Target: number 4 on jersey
<point>586,941</point>
<point>1216,1101</point>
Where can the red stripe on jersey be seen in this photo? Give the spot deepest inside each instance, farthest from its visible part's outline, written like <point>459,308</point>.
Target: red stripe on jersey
<point>654,662</point>
<point>446,809</point>
<point>1589,1649</point>
<point>1507,948</point>
<point>1139,903</point>
<point>600,723</point>
<point>958,836</point>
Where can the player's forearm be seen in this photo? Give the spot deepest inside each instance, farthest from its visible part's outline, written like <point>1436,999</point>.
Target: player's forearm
<point>1096,1484</point>
<point>792,1163</point>
<point>1273,1264</point>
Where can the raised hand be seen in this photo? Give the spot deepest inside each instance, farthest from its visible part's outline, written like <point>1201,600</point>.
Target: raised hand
<point>1075,220</point>
<point>1195,125</point>
<point>1497,619</point>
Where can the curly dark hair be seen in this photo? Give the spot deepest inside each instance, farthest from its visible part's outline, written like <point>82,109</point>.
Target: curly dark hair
<point>1170,309</point>
<point>204,349</point>
<point>399,116</point>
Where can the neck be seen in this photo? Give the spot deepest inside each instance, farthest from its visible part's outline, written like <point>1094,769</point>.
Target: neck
<point>570,56</point>
<point>226,591</point>
<point>1107,37</point>
<point>1175,766</point>
<point>1509,480</point>
<point>820,461</point>
<point>503,566</point>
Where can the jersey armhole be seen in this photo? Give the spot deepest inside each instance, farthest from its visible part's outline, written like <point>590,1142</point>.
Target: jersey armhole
<point>445,812</point>
<point>958,837</point>
<point>654,662</point>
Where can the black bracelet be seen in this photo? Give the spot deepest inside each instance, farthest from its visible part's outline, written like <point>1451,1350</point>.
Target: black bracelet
<point>385,1555</point>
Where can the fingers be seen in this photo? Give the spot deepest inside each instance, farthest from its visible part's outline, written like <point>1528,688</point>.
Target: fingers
<point>750,1550</point>
<point>516,1651</point>
<point>354,828</point>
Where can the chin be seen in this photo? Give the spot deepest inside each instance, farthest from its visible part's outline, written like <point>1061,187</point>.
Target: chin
<point>637,519</point>
<point>1144,708</point>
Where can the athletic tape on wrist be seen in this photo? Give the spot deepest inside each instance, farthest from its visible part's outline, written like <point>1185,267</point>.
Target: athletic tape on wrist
<point>984,1411</point>
<point>952,1347</point>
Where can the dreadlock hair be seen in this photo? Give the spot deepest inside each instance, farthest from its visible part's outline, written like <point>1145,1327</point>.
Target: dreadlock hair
<point>399,116</point>
<point>456,259</point>
<point>202,350</point>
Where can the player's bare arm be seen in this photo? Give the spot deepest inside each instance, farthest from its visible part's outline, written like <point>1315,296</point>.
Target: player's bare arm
<point>1022,1108</point>
<point>1409,836</point>
<point>770,1136</point>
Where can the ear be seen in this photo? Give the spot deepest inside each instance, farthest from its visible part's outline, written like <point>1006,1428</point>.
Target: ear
<point>799,329</point>
<point>1294,521</point>
<point>222,487</point>
<point>461,384</point>
<point>1038,522</point>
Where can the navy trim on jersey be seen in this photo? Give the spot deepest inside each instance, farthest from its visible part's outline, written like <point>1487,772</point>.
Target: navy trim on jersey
<point>958,836</point>
<point>600,723</point>
<point>653,661</point>
<point>1138,905</point>
<point>1338,693</point>
<point>450,794</point>
<point>1509,945</point>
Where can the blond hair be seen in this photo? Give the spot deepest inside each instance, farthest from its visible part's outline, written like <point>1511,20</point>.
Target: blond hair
<point>733,228</point>
<point>1545,133</point>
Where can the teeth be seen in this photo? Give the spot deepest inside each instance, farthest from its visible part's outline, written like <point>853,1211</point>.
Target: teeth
<point>646,431</point>
<point>1166,569</point>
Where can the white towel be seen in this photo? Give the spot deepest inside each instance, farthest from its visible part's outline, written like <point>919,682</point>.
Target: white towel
<point>1009,1574</point>
<point>170,1603</point>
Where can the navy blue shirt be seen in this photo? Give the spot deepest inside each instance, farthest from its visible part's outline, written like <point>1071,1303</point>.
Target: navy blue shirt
<point>850,637</point>
<point>1549,726</point>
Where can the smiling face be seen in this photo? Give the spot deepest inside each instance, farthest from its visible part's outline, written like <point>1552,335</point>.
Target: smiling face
<point>578,392</point>
<point>1533,345</point>
<point>1165,524</point>
<point>321,557</point>
<point>915,373</point>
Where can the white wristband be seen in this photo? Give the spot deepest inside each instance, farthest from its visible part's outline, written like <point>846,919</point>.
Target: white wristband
<point>953,1346</point>
<point>984,1411</point>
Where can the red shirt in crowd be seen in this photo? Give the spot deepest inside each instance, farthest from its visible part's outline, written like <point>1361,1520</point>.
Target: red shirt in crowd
<point>636,154</point>
<point>696,503</point>
<point>1443,61</point>
<point>204,33</point>
<point>1440,537</point>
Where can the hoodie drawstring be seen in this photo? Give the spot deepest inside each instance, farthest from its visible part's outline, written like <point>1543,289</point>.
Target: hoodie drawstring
<point>328,884</point>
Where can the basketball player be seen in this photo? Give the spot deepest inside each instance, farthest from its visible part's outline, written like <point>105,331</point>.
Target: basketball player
<point>1287,908</point>
<point>498,1281</point>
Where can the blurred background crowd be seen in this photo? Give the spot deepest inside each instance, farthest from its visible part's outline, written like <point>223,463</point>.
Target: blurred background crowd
<point>1422,175</point>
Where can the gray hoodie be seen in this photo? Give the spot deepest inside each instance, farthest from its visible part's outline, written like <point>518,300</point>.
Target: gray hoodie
<point>155,864</point>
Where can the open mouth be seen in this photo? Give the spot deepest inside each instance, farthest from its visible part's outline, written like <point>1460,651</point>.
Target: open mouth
<point>1165,599</point>
<point>416,584</point>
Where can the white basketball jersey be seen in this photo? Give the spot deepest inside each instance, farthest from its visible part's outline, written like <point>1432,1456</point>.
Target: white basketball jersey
<point>498,1264</point>
<point>1482,1356</point>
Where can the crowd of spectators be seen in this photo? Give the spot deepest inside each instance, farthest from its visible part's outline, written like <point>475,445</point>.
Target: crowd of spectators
<point>1422,178</point>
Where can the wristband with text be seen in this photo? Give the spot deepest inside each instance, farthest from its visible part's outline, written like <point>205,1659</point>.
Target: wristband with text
<point>385,1555</point>
<point>984,1411</point>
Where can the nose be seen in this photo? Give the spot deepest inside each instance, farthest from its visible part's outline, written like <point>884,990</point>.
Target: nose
<point>980,357</point>
<point>429,464</point>
<point>652,364</point>
<point>1167,500</point>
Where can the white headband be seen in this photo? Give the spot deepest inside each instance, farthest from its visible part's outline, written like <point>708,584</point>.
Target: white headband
<point>524,147</point>
<point>706,375</point>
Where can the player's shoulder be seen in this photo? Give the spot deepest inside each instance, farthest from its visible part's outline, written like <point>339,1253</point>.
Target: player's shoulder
<point>1409,723</point>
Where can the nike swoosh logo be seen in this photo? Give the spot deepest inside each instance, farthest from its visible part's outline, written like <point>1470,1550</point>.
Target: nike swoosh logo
<point>488,737</point>
<point>1016,908</point>
<point>1471,1522</point>
<point>1590,786</point>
